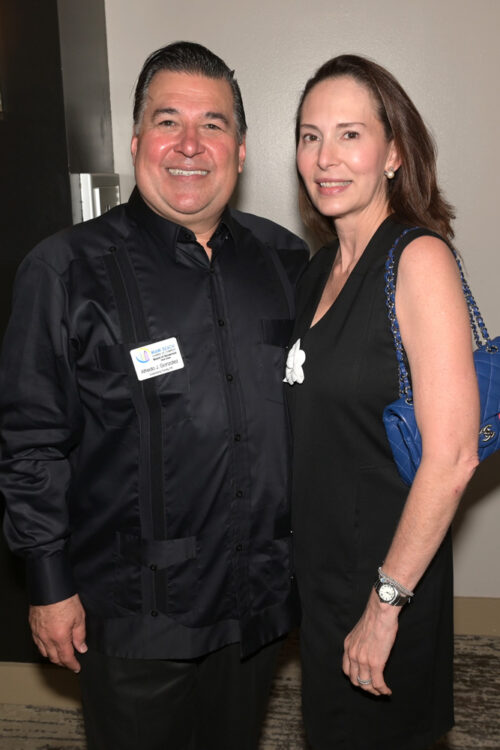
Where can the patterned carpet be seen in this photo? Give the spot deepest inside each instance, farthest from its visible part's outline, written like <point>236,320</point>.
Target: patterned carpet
<point>477,699</point>
<point>477,702</point>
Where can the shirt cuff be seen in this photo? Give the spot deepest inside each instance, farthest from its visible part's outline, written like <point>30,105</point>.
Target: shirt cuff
<point>49,579</point>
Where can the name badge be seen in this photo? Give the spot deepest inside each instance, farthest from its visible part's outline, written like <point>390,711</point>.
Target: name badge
<point>157,359</point>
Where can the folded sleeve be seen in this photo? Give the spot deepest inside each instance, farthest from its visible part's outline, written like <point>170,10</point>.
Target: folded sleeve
<point>40,425</point>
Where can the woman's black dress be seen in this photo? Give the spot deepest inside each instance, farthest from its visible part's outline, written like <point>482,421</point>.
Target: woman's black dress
<point>347,500</point>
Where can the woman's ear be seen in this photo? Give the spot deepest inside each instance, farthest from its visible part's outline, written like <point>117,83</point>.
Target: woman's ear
<point>393,159</point>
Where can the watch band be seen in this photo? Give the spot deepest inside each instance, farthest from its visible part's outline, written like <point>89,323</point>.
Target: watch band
<point>402,589</point>
<point>389,591</point>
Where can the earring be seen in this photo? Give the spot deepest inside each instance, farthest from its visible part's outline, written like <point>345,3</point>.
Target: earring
<point>389,173</point>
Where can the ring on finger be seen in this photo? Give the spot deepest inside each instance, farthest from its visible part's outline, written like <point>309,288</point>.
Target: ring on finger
<point>364,682</point>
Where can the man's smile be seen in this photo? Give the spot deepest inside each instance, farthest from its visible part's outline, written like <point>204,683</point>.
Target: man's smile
<point>187,172</point>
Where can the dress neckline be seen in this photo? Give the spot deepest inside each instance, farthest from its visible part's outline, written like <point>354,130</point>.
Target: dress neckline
<point>359,268</point>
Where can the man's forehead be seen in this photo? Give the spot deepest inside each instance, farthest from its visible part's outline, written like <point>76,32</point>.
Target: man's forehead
<point>190,89</point>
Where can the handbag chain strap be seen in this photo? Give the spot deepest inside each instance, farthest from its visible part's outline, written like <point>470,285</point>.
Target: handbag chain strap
<point>477,323</point>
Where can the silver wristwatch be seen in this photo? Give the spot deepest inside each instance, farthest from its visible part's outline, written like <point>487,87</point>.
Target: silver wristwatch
<point>390,592</point>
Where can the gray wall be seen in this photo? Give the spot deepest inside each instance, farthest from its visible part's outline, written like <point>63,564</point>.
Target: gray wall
<point>447,56</point>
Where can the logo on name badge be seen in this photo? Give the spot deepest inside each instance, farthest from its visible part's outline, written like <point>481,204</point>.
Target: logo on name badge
<point>157,359</point>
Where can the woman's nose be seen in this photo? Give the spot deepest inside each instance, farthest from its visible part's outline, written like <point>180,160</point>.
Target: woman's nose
<point>328,153</point>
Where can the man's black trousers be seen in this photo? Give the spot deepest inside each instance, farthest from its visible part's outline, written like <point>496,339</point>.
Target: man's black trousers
<point>216,702</point>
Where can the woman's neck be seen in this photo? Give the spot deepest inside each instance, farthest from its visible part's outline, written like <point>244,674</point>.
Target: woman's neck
<point>354,233</point>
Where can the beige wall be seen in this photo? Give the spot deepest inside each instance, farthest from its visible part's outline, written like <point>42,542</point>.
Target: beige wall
<point>446,55</point>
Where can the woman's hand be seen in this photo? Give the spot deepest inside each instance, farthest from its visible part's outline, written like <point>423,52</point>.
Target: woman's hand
<point>368,645</point>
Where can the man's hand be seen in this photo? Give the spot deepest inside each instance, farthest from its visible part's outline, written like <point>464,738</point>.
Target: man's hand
<point>58,629</point>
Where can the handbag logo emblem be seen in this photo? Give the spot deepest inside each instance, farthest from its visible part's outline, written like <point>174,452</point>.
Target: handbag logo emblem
<point>487,433</point>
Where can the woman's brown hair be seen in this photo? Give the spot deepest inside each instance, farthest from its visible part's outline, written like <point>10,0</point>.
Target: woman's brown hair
<point>414,196</point>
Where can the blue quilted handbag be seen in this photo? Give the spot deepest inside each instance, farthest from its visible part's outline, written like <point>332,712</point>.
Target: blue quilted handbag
<point>399,417</point>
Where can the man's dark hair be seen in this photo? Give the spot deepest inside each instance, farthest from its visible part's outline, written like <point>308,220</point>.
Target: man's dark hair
<point>187,57</point>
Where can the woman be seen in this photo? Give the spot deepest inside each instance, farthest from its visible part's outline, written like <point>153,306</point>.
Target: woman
<point>367,171</point>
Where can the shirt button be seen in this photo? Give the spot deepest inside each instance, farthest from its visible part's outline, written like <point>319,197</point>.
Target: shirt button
<point>239,493</point>
<point>229,377</point>
<point>237,437</point>
<point>154,613</point>
<point>239,547</point>
<point>153,566</point>
<point>220,322</point>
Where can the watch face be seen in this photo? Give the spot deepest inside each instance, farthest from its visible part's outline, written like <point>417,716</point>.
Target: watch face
<point>387,592</point>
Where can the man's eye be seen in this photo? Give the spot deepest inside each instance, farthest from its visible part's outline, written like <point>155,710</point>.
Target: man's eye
<point>212,126</point>
<point>167,123</point>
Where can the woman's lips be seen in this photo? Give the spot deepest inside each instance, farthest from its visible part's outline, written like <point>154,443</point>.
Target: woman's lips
<point>333,183</point>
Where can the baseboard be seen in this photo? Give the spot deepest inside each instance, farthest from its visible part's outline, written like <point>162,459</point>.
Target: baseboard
<point>477,615</point>
<point>38,685</point>
<point>47,685</point>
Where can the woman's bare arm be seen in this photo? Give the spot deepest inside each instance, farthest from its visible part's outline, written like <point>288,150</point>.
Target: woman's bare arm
<point>435,330</point>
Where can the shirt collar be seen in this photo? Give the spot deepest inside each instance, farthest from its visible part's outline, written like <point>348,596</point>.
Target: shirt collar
<point>168,232</point>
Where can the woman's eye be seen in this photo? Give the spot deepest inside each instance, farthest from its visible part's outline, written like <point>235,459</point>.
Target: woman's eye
<point>350,135</point>
<point>309,137</point>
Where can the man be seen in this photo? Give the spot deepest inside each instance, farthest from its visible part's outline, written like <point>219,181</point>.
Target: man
<point>145,441</point>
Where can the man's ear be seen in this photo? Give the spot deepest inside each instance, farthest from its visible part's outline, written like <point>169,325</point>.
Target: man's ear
<point>242,154</point>
<point>133,145</point>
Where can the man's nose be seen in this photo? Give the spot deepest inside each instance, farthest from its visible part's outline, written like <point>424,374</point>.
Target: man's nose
<point>189,142</point>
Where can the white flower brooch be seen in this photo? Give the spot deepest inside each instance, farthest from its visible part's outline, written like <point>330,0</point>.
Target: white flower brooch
<point>294,361</point>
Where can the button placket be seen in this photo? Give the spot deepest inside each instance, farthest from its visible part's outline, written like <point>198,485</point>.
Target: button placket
<point>228,363</point>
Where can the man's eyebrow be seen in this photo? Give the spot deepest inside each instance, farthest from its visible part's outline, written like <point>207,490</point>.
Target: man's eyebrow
<point>217,116</point>
<point>207,115</point>
<point>165,111</point>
